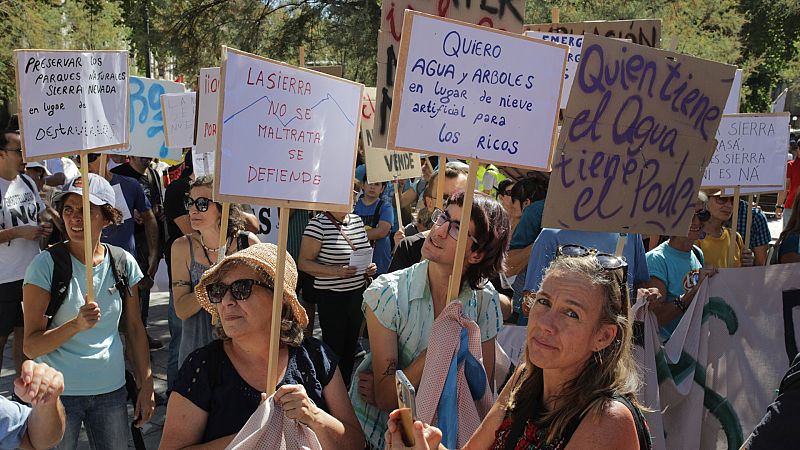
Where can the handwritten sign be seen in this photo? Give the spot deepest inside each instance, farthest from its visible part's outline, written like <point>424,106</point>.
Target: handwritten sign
<point>71,101</point>
<point>146,124</point>
<point>207,110</point>
<point>202,164</point>
<point>474,92</point>
<point>732,106</point>
<point>501,14</point>
<point>633,147</point>
<point>645,32</point>
<point>367,116</point>
<point>178,114</point>
<point>573,58</point>
<point>751,151</point>
<point>287,134</point>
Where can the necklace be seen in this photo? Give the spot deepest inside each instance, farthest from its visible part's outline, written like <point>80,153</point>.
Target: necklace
<point>202,242</point>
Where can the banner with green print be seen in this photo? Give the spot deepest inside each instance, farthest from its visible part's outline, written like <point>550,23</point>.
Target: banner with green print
<point>709,385</point>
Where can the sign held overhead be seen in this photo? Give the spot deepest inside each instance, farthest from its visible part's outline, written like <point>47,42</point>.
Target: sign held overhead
<point>476,93</point>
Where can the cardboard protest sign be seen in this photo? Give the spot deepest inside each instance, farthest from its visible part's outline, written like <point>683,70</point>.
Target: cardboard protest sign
<point>476,93</point>
<point>751,151</point>
<point>146,124</point>
<point>640,31</point>
<point>501,14</point>
<point>575,42</point>
<point>633,146</point>
<point>70,101</point>
<point>202,164</point>
<point>179,114</point>
<point>278,124</point>
<point>732,106</point>
<point>382,164</point>
<point>207,110</point>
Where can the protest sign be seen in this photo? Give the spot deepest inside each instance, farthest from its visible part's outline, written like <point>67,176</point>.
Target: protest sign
<point>146,124</point>
<point>732,106</point>
<point>501,14</point>
<point>633,147</point>
<point>179,119</point>
<point>267,223</point>
<point>382,164</point>
<point>476,93</point>
<point>645,32</point>
<point>70,101</point>
<point>278,123</point>
<point>207,110</point>
<point>573,58</point>
<point>202,164</point>
<point>710,384</point>
<point>751,151</point>
<point>753,190</point>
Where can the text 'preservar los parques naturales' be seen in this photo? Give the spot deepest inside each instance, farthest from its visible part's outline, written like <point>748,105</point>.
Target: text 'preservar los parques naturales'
<point>287,133</point>
<point>638,131</point>
<point>474,92</point>
<point>71,101</point>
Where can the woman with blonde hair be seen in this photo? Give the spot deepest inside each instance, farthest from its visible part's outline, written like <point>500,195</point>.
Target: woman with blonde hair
<point>576,387</point>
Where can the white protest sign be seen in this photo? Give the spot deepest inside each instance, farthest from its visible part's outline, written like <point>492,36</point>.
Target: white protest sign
<point>207,110</point>
<point>178,112</point>
<point>382,164</point>
<point>146,124</point>
<point>267,223</point>
<point>279,123</point>
<point>751,151</point>
<point>476,93</point>
<point>729,192</point>
<point>70,101</point>
<point>575,43</point>
<point>202,164</point>
<point>732,106</point>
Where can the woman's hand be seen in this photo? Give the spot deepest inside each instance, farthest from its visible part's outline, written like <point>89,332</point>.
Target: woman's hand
<point>145,404</point>
<point>426,437</point>
<point>88,316</point>
<point>296,405</point>
<point>346,271</point>
<point>747,258</point>
<point>399,235</point>
<point>372,268</point>
<point>38,384</point>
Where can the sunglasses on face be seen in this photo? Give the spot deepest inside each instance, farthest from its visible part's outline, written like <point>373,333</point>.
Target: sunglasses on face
<point>440,218</point>
<point>17,150</point>
<point>201,203</point>
<point>606,260</point>
<point>240,289</point>
<point>703,215</point>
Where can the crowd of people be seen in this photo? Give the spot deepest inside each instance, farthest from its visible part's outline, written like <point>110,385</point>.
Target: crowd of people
<point>79,363</point>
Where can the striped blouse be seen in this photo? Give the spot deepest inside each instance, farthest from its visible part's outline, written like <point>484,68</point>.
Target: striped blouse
<point>335,251</point>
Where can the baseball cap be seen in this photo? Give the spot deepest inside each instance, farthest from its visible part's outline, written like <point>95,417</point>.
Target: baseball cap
<point>100,191</point>
<point>38,164</point>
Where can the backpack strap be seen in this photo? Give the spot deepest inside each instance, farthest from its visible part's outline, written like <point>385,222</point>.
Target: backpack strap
<point>642,432</point>
<point>376,215</point>
<point>62,275</point>
<point>119,268</point>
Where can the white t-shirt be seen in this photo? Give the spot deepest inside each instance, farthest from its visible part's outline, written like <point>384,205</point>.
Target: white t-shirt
<point>21,206</point>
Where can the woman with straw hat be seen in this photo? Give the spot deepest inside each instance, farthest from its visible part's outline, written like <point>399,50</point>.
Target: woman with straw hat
<point>220,385</point>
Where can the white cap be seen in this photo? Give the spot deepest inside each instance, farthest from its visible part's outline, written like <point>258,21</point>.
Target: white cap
<point>39,164</point>
<point>100,191</point>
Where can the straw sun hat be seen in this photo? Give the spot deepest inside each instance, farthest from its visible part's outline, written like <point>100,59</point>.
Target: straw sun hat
<point>263,257</point>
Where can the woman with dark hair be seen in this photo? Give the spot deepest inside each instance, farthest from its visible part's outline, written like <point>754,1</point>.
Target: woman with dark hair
<point>788,245</point>
<point>400,307</point>
<point>221,385</point>
<point>576,387</point>
<point>194,253</point>
<point>82,340</point>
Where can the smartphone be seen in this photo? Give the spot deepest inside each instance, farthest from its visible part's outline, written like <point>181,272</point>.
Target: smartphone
<point>406,402</point>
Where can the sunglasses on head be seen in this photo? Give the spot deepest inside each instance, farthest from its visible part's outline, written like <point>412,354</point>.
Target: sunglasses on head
<point>201,203</point>
<point>240,289</point>
<point>703,215</point>
<point>606,260</point>
<point>439,218</point>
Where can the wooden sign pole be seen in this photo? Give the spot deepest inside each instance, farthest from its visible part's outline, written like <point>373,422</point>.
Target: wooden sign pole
<point>277,301</point>
<point>748,221</point>
<point>301,56</point>
<point>88,251</point>
<point>223,231</point>
<point>103,164</point>
<point>554,14</point>
<point>440,182</point>
<point>397,201</point>
<point>463,234</point>
<point>620,244</point>
<point>734,223</point>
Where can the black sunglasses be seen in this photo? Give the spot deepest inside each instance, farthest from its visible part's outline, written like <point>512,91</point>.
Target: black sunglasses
<point>703,215</point>
<point>606,260</point>
<point>240,289</point>
<point>201,203</point>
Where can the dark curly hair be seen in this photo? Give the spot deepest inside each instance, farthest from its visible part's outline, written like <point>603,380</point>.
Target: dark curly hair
<point>492,231</point>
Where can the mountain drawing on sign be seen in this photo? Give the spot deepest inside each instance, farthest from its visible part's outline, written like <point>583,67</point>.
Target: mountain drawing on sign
<point>328,99</point>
